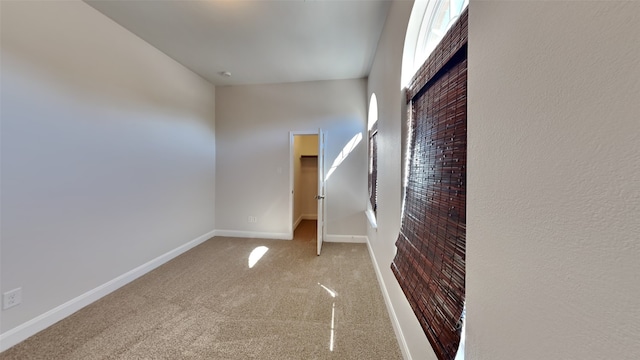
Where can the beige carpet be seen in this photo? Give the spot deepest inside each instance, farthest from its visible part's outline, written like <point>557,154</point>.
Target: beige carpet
<point>208,304</point>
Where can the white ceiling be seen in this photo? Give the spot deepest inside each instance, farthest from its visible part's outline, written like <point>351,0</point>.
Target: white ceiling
<point>258,41</point>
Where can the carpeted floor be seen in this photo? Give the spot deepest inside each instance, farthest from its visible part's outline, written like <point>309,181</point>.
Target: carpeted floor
<point>209,304</point>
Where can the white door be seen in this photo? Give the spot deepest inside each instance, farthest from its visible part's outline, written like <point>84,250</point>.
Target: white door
<point>321,190</point>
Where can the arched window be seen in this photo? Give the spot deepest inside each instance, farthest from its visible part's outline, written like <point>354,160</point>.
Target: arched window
<point>430,20</point>
<point>434,25</point>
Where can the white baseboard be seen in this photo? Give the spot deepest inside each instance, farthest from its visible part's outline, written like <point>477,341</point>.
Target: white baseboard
<point>304,217</point>
<point>253,234</point>
<point>41,322</point>
<point>404,348</point>
<point>346,238</point>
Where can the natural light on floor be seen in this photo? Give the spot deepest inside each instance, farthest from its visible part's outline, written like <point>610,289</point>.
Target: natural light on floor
<point>256,255</point>
<point>333,318</point>
<point>344,153</point>
<point>333,294</point>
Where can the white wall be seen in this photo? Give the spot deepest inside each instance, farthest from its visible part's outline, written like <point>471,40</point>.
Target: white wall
<point>252,129</point>
<point>553,229</point>
<point>384,81</point>
<point>108,154</point>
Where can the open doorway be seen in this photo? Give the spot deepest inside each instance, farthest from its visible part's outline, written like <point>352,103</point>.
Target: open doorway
<point>305,180</point>
<point>306,151</point>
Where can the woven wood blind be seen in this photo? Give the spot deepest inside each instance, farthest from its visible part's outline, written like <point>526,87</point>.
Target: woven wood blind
<point>430,259</point>
<point>373,168</point>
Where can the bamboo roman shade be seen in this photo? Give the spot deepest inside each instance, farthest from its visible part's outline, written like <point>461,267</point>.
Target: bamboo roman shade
<point>430,259</point>
<point>373,168</point>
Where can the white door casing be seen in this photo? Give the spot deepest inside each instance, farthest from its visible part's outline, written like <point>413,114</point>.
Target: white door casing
<point>321,191</point>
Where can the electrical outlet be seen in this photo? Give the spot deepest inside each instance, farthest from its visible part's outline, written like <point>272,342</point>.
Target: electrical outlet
<point>11,298</point>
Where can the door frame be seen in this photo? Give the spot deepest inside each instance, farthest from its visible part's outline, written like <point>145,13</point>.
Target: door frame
<point>322,191</point>
<point>292,134</point>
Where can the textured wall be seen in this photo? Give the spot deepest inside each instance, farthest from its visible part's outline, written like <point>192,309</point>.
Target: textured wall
<point>553,236</point>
